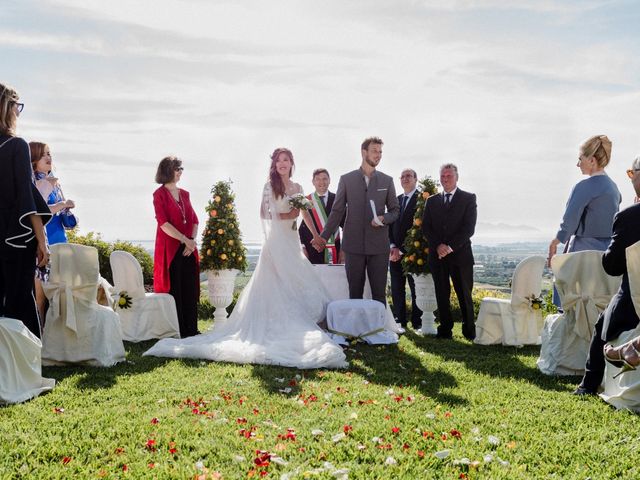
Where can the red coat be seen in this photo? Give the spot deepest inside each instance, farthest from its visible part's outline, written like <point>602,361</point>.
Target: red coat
<point>167,210</point>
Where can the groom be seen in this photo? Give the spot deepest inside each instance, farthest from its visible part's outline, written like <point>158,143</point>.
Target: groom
<point>365,235</point>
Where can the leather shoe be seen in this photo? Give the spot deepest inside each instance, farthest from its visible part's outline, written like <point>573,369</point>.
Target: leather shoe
<point>583,392</point>
<point>444,336</point>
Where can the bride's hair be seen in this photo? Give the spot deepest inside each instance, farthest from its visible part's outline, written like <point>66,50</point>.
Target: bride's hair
<point>277,185</point>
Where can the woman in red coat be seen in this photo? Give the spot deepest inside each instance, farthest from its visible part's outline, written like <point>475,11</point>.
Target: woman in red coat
<point>175,266</point>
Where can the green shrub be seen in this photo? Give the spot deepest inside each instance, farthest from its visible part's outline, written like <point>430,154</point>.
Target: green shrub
<point>93,239</point>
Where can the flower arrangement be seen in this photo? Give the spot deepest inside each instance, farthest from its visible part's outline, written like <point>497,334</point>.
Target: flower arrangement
<point>299,201</point>
<point>222,247</point>
<point>123,301</point>
<point>535,302</point>
<point>414,260</point>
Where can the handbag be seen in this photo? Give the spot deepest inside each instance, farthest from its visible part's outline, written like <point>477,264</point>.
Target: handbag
<point>69,220</point>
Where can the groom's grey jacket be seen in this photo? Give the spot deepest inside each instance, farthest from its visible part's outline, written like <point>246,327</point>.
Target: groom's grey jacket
<point>352,202</point>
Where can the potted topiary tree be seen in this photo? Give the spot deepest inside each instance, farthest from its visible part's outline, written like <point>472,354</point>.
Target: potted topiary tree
<point>415,260</point>
<point>222,253</point>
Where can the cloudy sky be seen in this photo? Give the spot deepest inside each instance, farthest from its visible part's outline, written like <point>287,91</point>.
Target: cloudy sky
<point>507,90</point>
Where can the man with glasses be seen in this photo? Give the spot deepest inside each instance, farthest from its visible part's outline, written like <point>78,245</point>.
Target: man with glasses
<point>620,315</point>
<point>397,233</point>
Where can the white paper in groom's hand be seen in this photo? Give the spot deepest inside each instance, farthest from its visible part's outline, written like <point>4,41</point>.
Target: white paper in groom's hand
<point>375,215</point>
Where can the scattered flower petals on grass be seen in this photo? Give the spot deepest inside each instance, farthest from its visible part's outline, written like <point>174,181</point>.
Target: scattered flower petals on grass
<point>66,460</point>
<point>154,421</point>
<point>390,461</point>
<point>285,390</point>
<point>430,416</point>
<point>493,440</point>
<point>488,458</point>
<point>58,410</point>
<point>338,437</point>
<point>442,454</point>
<point>317,432</point>
<point>238,458</point>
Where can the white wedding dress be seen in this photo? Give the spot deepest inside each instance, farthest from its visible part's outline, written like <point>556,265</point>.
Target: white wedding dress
<point>275,319</point>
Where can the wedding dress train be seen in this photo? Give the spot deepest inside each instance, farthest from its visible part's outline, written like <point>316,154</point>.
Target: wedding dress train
<point>275,319</point>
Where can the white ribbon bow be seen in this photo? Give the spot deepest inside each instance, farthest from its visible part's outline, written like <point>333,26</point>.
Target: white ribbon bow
<point>60,297</point>
<point>587,308</point>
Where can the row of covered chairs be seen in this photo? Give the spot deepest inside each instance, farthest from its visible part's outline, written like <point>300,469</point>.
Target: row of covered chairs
<point>78,330</point>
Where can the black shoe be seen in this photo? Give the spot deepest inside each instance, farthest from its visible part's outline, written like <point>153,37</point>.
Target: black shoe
<point>444,336</point>
<point>583,392</point>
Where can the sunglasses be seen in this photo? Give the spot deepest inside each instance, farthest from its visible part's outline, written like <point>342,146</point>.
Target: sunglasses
<point>631,172</point>
<point>20,106</point>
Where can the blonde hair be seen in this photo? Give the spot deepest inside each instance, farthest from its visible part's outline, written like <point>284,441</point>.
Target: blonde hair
<point>8,96</point>
<point>598,146</point>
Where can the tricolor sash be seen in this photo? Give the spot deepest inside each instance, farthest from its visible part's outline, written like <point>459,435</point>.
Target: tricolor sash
<point>320,217</point>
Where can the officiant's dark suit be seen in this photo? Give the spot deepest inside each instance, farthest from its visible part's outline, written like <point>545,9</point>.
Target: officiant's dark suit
<point>448,226</point>
<point>397,233</point>
<point>313,255</point>
<point>620,312</point>
<point>366,246</point>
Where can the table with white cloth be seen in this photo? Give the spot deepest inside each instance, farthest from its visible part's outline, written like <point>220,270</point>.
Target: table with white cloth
<point>334,278</point>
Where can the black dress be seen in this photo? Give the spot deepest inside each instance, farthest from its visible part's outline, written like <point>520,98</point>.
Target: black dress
<point>19,198</point>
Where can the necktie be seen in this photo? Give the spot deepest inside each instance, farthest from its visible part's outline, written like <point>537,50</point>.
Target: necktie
<point>324,200</point>
<point>404,203</point>
<point>447,199</point>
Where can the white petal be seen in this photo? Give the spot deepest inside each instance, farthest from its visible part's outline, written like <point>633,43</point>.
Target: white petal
<point>279,460</point>
<point>239,458</point>
<point>488,458</point>
<point>430,415</point>
<point>338,436</point>
<point>342,474</point>
<point>390,461</point>
<point>493,440</point>
<point>317,432</point>
<point>442,454</point>
<point>354,415</point>
<point>285,390</point>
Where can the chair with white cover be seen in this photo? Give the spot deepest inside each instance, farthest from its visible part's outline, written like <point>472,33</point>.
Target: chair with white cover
<point>359,320</point>
<point>585,290</point>
<point>20,367</point>
<point>514,321</point>
<point>151,315</point>
<point>78,329</point>
<point>623,392</point>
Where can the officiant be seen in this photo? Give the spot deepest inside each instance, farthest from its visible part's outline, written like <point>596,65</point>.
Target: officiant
<point>322,200</point>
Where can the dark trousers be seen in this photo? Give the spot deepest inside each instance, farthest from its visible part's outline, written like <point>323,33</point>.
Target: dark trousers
<point>375,267</point>
<point>444,273</point>
<point>594,368</point>
<point>398,295</point>
<point>17,274</point>
<point>183,276</point>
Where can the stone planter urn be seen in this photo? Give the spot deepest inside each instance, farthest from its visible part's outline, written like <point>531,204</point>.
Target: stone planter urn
<point>426,301</point>
<point>221,284</point>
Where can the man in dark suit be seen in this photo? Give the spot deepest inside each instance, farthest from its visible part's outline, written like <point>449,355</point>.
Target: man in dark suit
<point>322,200</point>
<point>448,224</point>
<point>397,233</point>
<point>366,199</point>
<point>620,315</point>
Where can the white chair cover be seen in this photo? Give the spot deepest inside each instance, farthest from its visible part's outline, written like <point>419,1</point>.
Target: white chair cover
<point>624,392</point>
<point>78,329</point>
<point>20,368</point>
<point>513,321</point>
<point>363,319</point>
<point>585,290</point>
<point>334,278</point>
<point>151,315</point>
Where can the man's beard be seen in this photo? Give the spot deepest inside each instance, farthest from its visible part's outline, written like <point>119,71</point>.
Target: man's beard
<point>371,163</point>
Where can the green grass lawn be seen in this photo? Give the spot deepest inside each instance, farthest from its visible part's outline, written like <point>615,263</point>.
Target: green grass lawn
<point>486,411</point>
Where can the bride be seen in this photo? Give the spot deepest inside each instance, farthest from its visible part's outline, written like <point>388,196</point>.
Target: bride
<point>276,316</point>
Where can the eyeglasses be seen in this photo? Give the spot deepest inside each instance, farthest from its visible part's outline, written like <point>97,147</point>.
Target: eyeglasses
<point>20,106</point>
<point>408,175</point>
<point>179,169</point>
<point>631,172</point>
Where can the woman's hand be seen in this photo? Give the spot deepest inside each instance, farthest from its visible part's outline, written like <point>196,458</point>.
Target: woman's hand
<point>292,214</point>
<point>553,248</point>
<point>52,180</point>
<point>42,254</point>
<point>189,246</point>
<point>69,204</point>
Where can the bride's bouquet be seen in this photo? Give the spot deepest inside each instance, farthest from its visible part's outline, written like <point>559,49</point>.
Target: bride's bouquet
<point>299,201</point>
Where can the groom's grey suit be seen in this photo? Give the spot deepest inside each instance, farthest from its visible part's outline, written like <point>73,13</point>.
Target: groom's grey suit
<point>366,247</point>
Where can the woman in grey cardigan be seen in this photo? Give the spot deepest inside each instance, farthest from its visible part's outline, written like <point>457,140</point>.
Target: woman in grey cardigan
<point>588,217</point>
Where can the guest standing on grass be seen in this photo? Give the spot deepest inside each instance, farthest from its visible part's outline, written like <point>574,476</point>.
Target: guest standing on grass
<point>49,187</point>
<point>175,266</point>
<point>620,315</point>
<point>397,233</point>
<point>448,223</point>
<point>593,202</point>
<point>23,214</point>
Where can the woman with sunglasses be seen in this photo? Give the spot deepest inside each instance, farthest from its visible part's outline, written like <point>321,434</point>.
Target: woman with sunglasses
<point>175,265</point>
<point>23,214</point>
